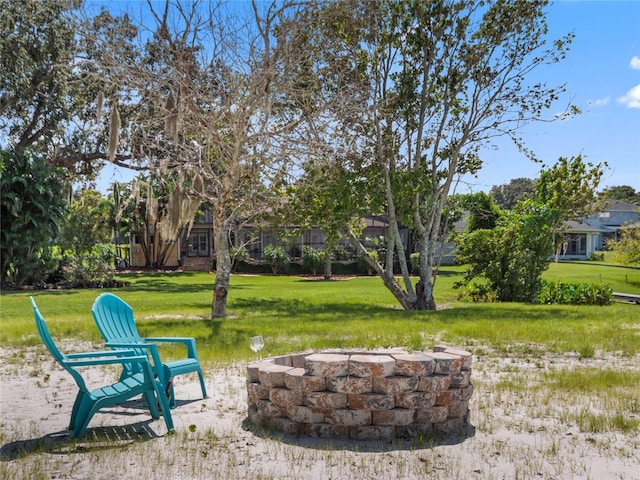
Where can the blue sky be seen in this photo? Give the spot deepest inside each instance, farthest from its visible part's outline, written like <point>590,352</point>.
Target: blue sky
<point>602,73</point>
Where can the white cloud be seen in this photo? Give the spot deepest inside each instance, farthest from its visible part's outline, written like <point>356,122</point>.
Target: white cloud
<point>632,98</point>
<point>600,102</point>
<point>635,63</point>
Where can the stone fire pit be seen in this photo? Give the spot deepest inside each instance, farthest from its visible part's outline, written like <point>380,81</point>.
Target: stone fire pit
<point>362,395</point>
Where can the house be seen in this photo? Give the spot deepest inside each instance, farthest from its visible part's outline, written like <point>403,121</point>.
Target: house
<point>195,250</point>
<point>584,238</point>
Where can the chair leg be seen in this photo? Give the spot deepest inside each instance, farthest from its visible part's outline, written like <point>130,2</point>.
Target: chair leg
<point>84,417</point>
<point>204,390</point>
<point>171,396</point>
<point>75,409</point>
<point>164,406</point>
<point>150,398</point>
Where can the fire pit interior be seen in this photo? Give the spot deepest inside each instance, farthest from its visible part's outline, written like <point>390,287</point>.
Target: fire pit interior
<point>362,395</point>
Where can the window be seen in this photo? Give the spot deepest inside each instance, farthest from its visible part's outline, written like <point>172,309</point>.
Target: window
<point>576,244</point>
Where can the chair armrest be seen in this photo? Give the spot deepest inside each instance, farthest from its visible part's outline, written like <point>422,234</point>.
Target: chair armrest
<point>151,347</point>
<point>189,342</point>
<point>107,361</point>
<point>128,357</point>
<point>101,353</point>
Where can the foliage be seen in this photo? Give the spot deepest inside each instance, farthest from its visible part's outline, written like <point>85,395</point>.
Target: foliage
<point>42,95</point>
<point>596,257</point>
<point>364,264</point>
<point>89,269</point>
<point>575,294</point>
<point>483,212</point>
<point>508,194</point>
<point>312,260</point>
<point>626,249</point>
<point>32,209</point>
<point>414,261</point>
<point>88,223</point>
<point>479,293</point>
<point>621,192</point>
<point>512,256</point>
<point>276,257</point>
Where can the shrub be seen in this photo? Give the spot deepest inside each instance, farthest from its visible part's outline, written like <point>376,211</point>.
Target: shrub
<point>575,294</point>
<point>512,256</point>
<point>312,260</point>
<point>238,254</point>
<point>276,257</point>
<point>88,270</point>
<point>363,265</point>
<point>626,250</point>
<point>414,261</point>
<point>478,293</point>
<point>596,257</point>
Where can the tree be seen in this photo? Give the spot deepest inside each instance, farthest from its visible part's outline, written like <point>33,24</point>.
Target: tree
<point>508,194</point>
<point>483,212</point>
<point>512,256</point>
<point>32,210</point>
<point>621,192</point>
<point>423,86</point>
<point>325,198</point>
<point>41,93</point>
<point>569,188</point>
<point>211,104</point>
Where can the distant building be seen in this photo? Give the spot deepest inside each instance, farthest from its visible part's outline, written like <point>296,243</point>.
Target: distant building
<point>584,238</point>
<point>195,250</point>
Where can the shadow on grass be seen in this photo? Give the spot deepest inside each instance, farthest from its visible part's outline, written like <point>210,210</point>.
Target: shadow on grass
<point>341,312</point>
<point>159,283</point>
<point>372,446</point>
<point>95,439</point>
<point>279,307</point>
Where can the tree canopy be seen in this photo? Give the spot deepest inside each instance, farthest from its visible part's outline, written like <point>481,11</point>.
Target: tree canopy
<point>508,194</point>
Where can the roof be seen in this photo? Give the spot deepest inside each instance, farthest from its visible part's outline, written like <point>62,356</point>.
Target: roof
<point>618,206</point>
<point>583,227</point>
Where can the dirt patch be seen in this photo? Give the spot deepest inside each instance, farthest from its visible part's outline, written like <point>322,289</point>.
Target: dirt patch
<point>517,432</point>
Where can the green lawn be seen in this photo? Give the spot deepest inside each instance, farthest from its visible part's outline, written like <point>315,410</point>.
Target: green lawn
<point>295,313</point>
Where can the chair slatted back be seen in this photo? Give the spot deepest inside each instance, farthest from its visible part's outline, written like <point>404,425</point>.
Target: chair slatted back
<point>45,336</point>
<point>115,319</point>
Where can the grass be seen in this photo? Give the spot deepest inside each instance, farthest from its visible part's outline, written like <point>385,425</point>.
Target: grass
<point>297,313</point>
<point>555,386</point>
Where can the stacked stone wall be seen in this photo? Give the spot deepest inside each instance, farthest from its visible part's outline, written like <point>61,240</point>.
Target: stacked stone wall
<point>362,395</point>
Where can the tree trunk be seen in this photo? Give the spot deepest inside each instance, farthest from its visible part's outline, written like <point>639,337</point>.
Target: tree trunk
<point>424,288</point>
<point>327,263</point>
<point>223,268</point>
<point>403,297</point>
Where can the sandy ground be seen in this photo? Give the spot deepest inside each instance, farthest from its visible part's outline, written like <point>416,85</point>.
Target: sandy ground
<point>213,440</point>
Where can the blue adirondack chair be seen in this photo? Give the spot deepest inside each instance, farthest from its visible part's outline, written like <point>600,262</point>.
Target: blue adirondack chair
<point>114,318</point>
<point>88,402</point>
